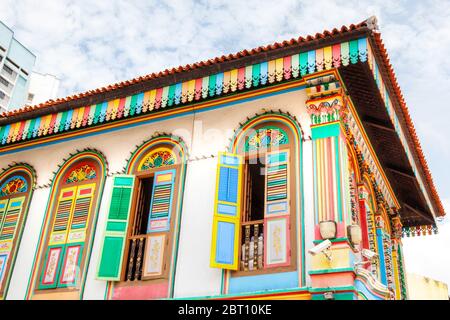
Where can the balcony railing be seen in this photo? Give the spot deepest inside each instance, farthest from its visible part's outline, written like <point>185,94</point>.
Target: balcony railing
<point>135,258</point>
<point>252,250</point>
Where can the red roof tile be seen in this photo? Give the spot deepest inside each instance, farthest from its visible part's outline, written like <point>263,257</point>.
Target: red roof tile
<point>186,68</point>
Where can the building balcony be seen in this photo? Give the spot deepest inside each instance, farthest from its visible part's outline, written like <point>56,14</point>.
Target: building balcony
<point>6,86</point>
<point>8,73</point>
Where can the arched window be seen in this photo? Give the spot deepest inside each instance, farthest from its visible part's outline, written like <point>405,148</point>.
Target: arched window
<point>145,207</point>
<point>66,242</point>
<point>257,201</point>
<point>16,187</point>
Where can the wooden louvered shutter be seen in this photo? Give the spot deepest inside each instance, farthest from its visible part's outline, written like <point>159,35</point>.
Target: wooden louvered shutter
<point>227,212</point>
<point>276,215</point>
<point>76,235</point>
<point>57,242</point>
<point>115,234</point>
<point>10,213</point>
<point>161,202</point>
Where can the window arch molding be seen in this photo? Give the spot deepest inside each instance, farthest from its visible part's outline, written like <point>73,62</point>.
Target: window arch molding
<point>75,173</point>
<point>292,127</point>
<point>157,157</point>
<point>17,184</point>
<point>174,144</point>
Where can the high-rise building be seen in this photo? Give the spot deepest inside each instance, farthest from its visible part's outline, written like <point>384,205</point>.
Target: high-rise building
<point>16,65</point>
<point>42,88</point>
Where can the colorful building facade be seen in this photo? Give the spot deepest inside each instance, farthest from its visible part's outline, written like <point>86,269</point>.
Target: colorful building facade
<point>290,171</point>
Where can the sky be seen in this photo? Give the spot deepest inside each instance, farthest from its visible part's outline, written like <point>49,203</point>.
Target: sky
<point>88,44</point>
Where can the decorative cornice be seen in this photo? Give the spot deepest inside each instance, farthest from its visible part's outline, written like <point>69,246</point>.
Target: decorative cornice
<point>265,73</point>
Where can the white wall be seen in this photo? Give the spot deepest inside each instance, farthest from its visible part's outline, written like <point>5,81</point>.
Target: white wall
<point>205,134</point>
<point>193,276</point>
<point>95,289</point>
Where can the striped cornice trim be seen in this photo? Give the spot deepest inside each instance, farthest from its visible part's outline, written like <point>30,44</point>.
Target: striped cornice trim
<point>253,76</point>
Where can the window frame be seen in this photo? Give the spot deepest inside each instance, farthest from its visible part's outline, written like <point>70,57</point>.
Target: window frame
<point>90,224</point>
<point>168,252</point>
<point>10,261</point>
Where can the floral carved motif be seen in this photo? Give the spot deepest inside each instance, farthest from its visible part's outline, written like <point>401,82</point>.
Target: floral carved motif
<point>83,173</point>
<point>15,184</point>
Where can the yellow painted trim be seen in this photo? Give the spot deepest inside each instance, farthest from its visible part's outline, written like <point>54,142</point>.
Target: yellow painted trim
<point>300,296</point>
<point>70,295</point>
<point>398,293</point>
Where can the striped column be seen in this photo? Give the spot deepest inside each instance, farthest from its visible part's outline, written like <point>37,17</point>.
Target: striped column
<point>331,197</point>
<point>330,160</point>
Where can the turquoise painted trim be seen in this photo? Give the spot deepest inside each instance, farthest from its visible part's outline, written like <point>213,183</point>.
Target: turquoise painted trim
<point>300,87</point>
<point>333,240</point>
<point>263,282</point>
<point>222,282</point>
<point>325,130</point>
<point>337,296</point>
<point>383,276</point>
<point>326,271</point>
<point>334,289</point>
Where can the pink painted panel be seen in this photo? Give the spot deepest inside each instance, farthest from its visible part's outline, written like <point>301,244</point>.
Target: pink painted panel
<point>142,292</point>
<point>337,279</point>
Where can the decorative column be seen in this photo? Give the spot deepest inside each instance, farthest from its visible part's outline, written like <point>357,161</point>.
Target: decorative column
<point>397,261</point>
<point>385,245</point>
<point>326,106</point>
<point>367,226</point>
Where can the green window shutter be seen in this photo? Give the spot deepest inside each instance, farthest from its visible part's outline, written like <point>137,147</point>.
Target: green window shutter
<point>115,234</point>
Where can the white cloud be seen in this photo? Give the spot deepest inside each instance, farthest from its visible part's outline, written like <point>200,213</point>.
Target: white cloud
<point>429,255</point>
